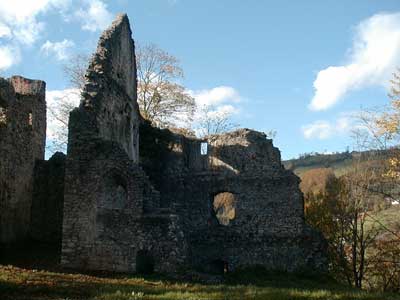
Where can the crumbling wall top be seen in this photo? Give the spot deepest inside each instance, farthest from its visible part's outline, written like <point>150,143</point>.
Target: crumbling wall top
<point>20,85</point>
<point>7,93</point>
<point>108,110</point>
<point>243,150</point>
<point>114,58</point>
<point>26,86</point>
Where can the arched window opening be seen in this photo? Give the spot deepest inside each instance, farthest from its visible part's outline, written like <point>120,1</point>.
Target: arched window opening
<point>225,207</point>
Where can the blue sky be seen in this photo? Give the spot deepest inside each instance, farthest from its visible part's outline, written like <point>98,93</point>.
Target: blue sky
<point>302,68</point>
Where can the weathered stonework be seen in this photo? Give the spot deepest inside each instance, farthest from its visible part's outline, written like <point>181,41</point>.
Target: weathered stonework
<point>105,225</point>
<point>22,142</point>
<point>268,227</point>
<point>48,200</point>
<point>122,208</point>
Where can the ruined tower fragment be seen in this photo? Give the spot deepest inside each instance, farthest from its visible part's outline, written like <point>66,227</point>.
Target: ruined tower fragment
<point>22,142</point>
<point>104,224</point>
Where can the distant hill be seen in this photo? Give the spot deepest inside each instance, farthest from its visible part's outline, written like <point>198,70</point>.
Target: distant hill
<point>340,163</point>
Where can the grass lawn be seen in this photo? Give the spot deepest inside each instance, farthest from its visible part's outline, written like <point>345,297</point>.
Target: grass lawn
<point>17,284</point>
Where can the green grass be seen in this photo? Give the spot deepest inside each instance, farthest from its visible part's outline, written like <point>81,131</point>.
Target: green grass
<point>390,217</point>
<point>18,284</point>
<point>389,221</point>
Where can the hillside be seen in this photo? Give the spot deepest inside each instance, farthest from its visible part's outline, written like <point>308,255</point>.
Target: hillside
<point>340,163</point>
<point>316,169</point>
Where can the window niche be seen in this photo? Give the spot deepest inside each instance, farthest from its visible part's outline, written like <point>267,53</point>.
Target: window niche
<point>115,194</point>
<point>224,206</point>
<point>30,119</point>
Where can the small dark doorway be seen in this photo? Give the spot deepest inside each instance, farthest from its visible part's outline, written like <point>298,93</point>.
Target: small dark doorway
<point>219,267</point>
<point>144,262</point>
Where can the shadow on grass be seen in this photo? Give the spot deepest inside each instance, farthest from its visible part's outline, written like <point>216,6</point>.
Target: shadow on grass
<point>254,283</point>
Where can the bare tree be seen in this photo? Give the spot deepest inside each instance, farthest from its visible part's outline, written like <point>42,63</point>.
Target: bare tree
<point>210,120</point>
<point>162,100</point>
<point>58,115</point>
<point>75,70</point>
<point>61,103</point>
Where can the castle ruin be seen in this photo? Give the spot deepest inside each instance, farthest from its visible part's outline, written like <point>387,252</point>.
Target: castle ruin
<point>138,197</point>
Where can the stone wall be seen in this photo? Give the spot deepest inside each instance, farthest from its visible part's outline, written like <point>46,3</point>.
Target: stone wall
<point>109,105</point>
<point>126,200</point>
<point>110,207</point>
<point>268,225</point>
<point>48,200</point>
<point>22,142</point>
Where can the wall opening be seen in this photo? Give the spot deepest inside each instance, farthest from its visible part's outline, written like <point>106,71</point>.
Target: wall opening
<point>115,194</point>
<point>204,148</point>
<point>3,116</point>
<point>218,266</point>
<point>144,262</point>
<point>30,119</point>
<point>224,206</point>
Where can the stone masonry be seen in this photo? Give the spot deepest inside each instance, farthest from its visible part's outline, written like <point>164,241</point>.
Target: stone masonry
<point>48,200</point>
<point>22,143</point>
<point>168,201</point>
<point>105,189</point>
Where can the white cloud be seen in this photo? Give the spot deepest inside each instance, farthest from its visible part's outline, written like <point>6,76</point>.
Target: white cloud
<point>95,16</point>
<point>221,102</point>
<point>323,129</point>
<point>20,26</point>
<point>374,56</point>
<point>9,55</point>
<point>318,129</point>
<point>5,31</point>
<point>20,17</point>
<point>22,22</point>
<point>61,50</point>
<point>216,96</point>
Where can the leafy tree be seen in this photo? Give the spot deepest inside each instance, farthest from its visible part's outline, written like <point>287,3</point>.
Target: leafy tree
<point>342,213</point>
<point>316,180</point>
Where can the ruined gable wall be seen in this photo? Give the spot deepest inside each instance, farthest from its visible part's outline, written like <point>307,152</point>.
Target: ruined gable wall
<point>100,174</point>
<point>108,198</point>
<point>22,142</point>
<point>109,95</point>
